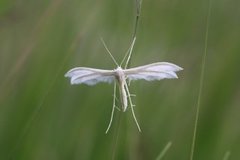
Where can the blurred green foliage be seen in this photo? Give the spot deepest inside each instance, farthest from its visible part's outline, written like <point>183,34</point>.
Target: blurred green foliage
<point>43,117</point>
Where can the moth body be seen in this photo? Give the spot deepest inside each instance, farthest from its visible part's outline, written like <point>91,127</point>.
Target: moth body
<point>121,79</point>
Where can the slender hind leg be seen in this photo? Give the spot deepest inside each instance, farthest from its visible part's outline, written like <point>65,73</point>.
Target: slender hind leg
<point>114,105</point>
<point>132,105</point>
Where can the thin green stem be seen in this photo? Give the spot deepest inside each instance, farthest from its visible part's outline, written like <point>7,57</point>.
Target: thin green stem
<point>227,155</point>
<point>128,54</point>
<point>138,4</point>
<point>201,82</point>
<point>138,11</point>
<point>164,151</point>
<point>116,135</point>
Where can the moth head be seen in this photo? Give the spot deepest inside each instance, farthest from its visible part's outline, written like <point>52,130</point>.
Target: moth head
<point>118,68</point>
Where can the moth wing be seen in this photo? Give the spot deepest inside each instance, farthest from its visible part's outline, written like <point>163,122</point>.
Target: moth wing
<point>89,76</point>
<point>154,71</point>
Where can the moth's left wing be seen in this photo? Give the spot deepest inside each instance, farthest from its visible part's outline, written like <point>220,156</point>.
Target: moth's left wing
<point>154,71</point>
<point>89,76</point>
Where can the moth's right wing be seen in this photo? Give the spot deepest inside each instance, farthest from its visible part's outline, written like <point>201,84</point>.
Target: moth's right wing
<point>90,76</point>
<point>154,71</point>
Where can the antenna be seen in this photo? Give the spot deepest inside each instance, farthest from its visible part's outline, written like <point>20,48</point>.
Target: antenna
<point>105,46</point>
<point>130,52</point>
<point>125,56</point>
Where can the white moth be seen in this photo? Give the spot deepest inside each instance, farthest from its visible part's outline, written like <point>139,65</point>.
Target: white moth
<point>150,72</point>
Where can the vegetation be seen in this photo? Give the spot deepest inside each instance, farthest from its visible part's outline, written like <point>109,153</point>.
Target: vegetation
<point>43,117</point>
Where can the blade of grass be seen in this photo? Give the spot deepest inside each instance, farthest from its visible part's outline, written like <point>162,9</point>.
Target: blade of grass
<point>164,151</point>
<point>201,82</point>
<point>116,136</point>
<point>38,109</point>
<point>227,155</point>
<point>11,77</point>
<point>138,4</point>
<point>138,10</point>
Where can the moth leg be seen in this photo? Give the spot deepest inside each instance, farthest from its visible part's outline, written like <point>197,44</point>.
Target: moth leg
<point>114,105</point>
<point>117,108</point>
<point>117,100</point>
<point>129,82</point>
<point>132,95</point>
<point>132,105</point>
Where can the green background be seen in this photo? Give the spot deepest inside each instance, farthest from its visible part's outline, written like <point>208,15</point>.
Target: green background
<point>43,117</point>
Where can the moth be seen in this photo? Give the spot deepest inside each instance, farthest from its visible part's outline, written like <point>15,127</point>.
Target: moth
<point>120,76</point>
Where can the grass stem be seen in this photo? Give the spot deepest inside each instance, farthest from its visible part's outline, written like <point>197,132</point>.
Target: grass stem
<point>164,151</point>
<point>227,155</point>
<point>201,82</point>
